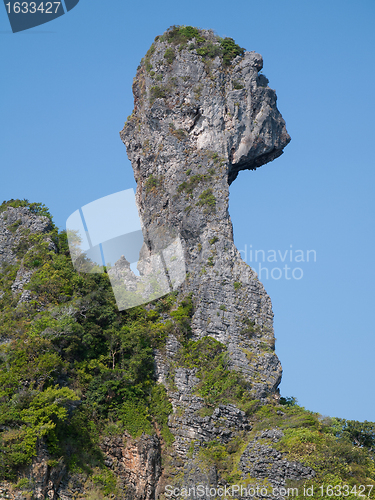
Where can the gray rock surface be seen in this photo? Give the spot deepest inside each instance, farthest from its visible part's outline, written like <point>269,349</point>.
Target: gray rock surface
<point>196,124</point>
<point>262,461</point>
<point>14,224</point>
<point>186,148</point>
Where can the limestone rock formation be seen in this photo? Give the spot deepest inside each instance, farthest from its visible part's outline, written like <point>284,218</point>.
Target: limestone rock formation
<point>262,461</point>
<point>196,123</point>
<point>200,117</point>
<point>14,224</point>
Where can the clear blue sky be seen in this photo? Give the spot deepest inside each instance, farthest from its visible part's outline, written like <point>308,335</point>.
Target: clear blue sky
<point>66,93</point>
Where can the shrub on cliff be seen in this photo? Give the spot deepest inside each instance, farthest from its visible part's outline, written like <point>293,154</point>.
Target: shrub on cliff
<point>207,46</point>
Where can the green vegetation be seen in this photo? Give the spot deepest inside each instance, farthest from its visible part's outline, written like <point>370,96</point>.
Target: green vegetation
<point>329,445</point>
<point>152,183</point>
<point>213,240</point>
<point>207,198</point>
<point>161,408</point>
<point>157,92</point>
<point>182,315</point>
<point>230,50</point>
<point>217,383</point>
<point>237,85</point>
<point>323,443</point>
<point>181,34</point>
<point>217,160</point>
<point>207,48</point>
<point>189,186</point>
<point>146,60</point>
<point>13,227</point>
<point>73,370</point>
<point>35,208</point>
<point>78,369</point>
<point>169,55</point>
<point>210,261</point>
<point>250,328</point>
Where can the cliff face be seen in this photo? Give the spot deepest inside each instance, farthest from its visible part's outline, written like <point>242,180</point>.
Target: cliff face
<point>199,118</point>
<point>196,123</point>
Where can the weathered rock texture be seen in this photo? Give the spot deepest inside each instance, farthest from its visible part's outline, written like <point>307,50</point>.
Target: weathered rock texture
<point>136,462</point>
<point>196,123</point>
<point>186,148</point>
<point>262,461</point>
<point>14,224</point>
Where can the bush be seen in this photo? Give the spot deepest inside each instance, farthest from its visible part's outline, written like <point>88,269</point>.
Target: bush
<point>181,34</point>
<point>192,183</point>
<point>237,85</point>
<point>226,48</point>
<point>230,50</point>
<point>169,55</point>
<point>218,384</point>
<point>152,183</point>
<point>80,344</point>
<point>288,401</point>
<point>207,198</point>
<point>157,93</point>
<point>161,408</point>
<point>209,50</point>
<point>35,208</point>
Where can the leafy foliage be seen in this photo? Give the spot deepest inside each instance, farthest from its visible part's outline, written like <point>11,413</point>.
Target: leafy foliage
<point>73,369</point>
<point>157,92</point>
<point>218,384</point>
<point>192,183</point>
<point>230,50</point>
<point>169,55</point>
<point>310,439</point>
<point>360,434</point>
<point>207,198</point>
<point>72,363</point>
<point>36,415</point>
<point>181,34</point>
<point>152,183</point>
<point>35,208</point>
<point>207,48</point>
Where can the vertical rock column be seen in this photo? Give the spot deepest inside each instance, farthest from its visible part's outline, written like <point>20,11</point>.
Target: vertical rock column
<point>197,121</point>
